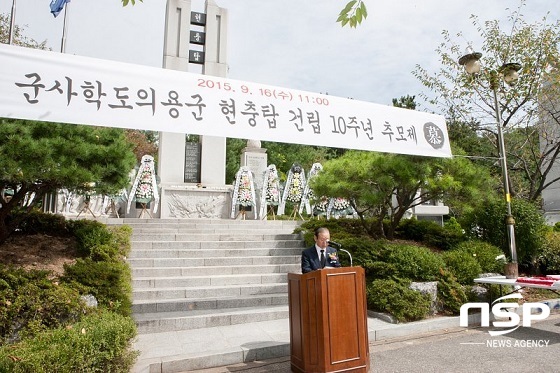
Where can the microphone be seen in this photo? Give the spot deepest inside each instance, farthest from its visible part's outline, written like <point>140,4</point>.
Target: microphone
<point>336,244</point>
<point>339,246</point>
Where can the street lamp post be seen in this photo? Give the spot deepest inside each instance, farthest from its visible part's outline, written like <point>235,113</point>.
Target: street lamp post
<point>508,72</point>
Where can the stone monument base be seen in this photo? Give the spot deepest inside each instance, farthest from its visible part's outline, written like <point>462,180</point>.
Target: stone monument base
<point>192,201</point>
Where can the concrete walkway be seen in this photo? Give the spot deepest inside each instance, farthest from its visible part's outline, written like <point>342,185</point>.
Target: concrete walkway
<point>190,350</point>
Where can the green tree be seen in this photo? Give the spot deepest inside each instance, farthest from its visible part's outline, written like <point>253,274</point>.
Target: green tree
<point>40,157</point>
<point>530,106</point>
<point>285,155</point>
<point>487,223</point>
<point>405,102</point>
<point>18,37</point>
<point>386,186</point>
<point>143,142</point>
<point>474,143</point>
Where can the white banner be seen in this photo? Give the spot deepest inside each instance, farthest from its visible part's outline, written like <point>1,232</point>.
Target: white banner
<point>55,87</point>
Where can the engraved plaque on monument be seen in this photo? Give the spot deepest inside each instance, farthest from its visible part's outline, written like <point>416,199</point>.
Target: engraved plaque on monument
<point>257,164</point>
<point>192,162</point>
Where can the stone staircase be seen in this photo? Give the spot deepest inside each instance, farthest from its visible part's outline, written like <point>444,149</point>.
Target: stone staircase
<point>192,274</point>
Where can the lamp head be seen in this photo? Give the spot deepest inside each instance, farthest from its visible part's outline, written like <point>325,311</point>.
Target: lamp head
<point>471,61</point>
<point>510,72</point>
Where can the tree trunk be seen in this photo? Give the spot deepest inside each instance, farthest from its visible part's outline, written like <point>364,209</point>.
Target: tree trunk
<point>8,223</point>
<point>4,232</point>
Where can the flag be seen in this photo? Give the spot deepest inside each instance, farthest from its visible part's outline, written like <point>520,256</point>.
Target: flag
<point>57,6</point>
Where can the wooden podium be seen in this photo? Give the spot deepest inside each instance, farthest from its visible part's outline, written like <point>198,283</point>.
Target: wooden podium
<point>328,321</point>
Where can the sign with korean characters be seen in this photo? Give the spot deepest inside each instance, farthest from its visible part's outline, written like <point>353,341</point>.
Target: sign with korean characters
<point>55,87</point>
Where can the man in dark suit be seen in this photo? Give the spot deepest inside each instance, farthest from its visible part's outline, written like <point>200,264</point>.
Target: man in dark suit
<point>311,257</point>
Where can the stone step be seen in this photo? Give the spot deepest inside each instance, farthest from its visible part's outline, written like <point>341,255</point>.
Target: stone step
<point>214,253</point>
<point>202,224</point>
<point>207,291</point>
<point>210,262</point>
<point>228,236</point>
<point>221,280</point>
<point>214,230</point>
<point>190,274</point>
<point>176,305</point>
<point>138,272</point>
<point>187,320</point>
<point>197,245</point>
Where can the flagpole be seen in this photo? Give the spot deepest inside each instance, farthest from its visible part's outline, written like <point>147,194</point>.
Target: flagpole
<point>12,23</point>
<point>63,42</point>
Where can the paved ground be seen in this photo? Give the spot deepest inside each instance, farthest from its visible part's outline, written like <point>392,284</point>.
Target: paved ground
<point>532,349</point>
<point>212,347</point>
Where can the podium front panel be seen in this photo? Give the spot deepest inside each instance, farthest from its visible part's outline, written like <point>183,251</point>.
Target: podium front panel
<point>313,317</point>
<point>328,323</point>
<point>343,317</point>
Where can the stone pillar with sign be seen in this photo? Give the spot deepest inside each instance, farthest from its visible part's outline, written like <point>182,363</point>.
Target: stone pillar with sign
<point>192,175</point>
<point>213,167</point>
<point>255,159</point>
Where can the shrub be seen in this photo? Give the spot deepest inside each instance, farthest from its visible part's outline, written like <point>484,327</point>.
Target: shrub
<point>451,295</point>
<point>462,265</point>
<point>414,229</point>
<point>121,236</point>
<point>414,262</point>
<point>109,282</point>
<point>36,222</point>
<point>397,299</point>
<point>30,303</point>
<point>89,234</point>
<point>98,343</point>
<point>485,254</point>
<point>452,225</point>
<point>104,253</point>
<point>103,273</point>
<point>365,253</point>
<point>488,224</point>
<point>339,229</point>
<point>549,258</point>
<point>431,233</point>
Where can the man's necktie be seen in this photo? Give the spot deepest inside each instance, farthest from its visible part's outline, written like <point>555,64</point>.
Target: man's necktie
<point>323,261</point>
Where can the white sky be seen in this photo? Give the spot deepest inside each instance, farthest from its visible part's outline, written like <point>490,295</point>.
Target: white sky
<point>287,43</point>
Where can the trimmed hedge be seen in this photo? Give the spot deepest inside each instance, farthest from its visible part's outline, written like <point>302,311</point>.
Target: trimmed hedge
<point>549,258</point>
<point>98,343</point>
<point>485,254</point>
<point>35,222</point>
<point>416,263</point>
<point>30,302</point>
<point>90,233</point>
<point>397,299</point>
<point>463,265</point>
<point>108,281</point>
<point>431,233</point>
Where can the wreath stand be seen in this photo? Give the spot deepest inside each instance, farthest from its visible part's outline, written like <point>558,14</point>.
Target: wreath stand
<point>86,208</point>
<point>144,204</point>
<point>241,212</point>
<point>144,209</point>
<point>271,211</point>
<point>295,213</point>
<point>113,208</point>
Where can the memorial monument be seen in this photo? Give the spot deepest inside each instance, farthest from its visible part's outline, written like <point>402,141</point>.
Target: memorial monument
<point>192,175</point>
